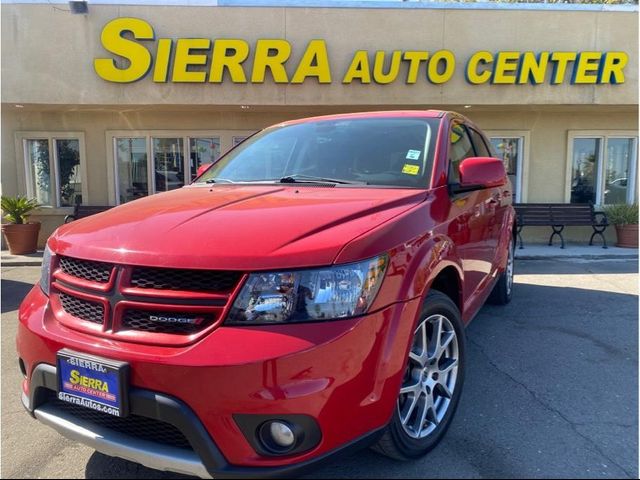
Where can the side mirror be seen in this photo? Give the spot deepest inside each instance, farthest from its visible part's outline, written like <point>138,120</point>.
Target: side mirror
<point>202,168</point>
<point>477,173</point>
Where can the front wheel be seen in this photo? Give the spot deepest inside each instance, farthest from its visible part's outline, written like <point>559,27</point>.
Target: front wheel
<point>503,290</point>
<point>431,385</point>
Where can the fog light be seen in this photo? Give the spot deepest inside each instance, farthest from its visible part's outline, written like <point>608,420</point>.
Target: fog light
<point>282,434</point>
<point>279,437</point>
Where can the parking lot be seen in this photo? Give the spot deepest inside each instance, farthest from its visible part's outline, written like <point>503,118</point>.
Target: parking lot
<point>551,389</point>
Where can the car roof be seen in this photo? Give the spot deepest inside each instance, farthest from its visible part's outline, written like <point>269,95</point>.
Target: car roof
<point>379,114</point>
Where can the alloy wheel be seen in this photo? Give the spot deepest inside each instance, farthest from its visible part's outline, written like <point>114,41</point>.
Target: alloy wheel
<point>510,269</point>
<point>430,378</point>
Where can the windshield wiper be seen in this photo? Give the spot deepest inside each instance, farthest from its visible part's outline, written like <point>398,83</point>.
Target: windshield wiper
<point>219,180</point>
<point>300,178</point>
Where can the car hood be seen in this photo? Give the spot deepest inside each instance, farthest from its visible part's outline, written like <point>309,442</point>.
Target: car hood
<point>240,227</point>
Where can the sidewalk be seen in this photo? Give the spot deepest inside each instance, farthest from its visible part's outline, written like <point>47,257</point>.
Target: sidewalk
<point>33,259</point>
<point>538,251</point>
<point>529,252</point>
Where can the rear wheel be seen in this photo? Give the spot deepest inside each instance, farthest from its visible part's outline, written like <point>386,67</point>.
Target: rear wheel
<point>431,385</point>
<point>503,290</point>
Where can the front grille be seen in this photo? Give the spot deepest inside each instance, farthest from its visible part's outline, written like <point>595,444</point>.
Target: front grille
<point>133,425</point>
<point>82,309</point>
<point>140,320</point>
<point>176,279</point>
<point>86,269</point>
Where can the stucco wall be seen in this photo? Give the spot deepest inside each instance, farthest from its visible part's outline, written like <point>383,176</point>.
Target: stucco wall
<point>47,69</point>
<point>47,54</point>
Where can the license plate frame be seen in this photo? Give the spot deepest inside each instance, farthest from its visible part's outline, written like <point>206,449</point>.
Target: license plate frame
<point>93,382</point>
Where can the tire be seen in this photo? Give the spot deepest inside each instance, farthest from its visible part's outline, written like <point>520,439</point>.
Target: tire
<point>503,290</point>
<point>414,438</point>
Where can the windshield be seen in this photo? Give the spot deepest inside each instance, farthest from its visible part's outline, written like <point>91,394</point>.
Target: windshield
<point>374,151</point>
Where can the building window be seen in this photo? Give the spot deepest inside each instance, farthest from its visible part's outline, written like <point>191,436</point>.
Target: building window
<point>168,163</point>
<point>584,169</point>
<point>620,168</point>
<point>69,180</point>
<point>158,161</point>
<point>510,147</point>
<point>38,170</point>
<point>602,168</point>
<point>202,150</point>
<point>53,166</point>
<point>239,139</point>
<point>132,172</point>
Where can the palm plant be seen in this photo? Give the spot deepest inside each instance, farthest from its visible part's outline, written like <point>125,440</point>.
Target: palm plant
<point>622,214</point>
<point>16,209</point>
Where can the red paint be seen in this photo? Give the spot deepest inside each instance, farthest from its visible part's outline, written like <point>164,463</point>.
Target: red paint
<point>486,171</point>
<point>342,372</point>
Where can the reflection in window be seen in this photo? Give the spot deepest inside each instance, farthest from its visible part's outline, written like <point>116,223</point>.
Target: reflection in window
<point>39,170</point>
<point>270,160</point>
<point>203,150</point>
<point>371,150</point>
<point>69,180</point>
<point>168,163</point>
<point>619,157</point>
<point>459,149</point>
<point>131,159</point>
<point>478,143</point>
<point>508,149</point>
<point>584,169</point>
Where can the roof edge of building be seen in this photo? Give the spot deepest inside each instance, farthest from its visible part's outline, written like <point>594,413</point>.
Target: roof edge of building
<point>371,4</point>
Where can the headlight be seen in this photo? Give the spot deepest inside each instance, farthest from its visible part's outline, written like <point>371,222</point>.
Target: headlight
<point>45,278</point>
<point>308,295</point>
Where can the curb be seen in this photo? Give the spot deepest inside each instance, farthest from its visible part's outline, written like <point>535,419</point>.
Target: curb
<point>22,263</point>
<point>577,257</point>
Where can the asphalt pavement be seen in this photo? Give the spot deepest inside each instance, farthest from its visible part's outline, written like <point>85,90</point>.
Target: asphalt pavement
<point>551,389</point>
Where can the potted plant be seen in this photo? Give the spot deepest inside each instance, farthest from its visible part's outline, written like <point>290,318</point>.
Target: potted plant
<point>625,219</point>
<point>20,234</point>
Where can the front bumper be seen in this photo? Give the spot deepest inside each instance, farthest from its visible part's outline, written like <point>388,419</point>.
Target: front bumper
<point>204,461</point>
<point>344,374</point>
<point>113,443</point>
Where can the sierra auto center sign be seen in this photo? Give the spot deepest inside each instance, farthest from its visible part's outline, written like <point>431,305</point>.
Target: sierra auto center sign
<point>203,60</point>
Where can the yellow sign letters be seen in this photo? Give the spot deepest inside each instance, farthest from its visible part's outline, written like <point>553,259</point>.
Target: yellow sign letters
<point>200,60</point>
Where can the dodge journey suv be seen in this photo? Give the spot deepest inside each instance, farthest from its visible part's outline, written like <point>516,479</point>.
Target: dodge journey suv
<point>307,294</point>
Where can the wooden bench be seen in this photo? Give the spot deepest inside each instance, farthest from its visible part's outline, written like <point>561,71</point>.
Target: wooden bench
<point>560,215</point>
<point>82,211</point>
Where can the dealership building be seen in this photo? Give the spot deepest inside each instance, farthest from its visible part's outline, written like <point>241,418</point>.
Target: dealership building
<point>127,100</point>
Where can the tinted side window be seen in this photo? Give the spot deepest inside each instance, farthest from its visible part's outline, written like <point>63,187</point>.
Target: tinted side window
<point>481,147</point>
<point>459,148</point>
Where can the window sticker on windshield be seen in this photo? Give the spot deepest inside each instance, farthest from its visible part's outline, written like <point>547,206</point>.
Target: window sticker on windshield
<point>413,155</point>
<point>411,169</point>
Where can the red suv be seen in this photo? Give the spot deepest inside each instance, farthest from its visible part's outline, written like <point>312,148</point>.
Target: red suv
<point>306,295</point>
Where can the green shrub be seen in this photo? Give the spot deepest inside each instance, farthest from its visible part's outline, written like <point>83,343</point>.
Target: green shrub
<point>622,214</point>
<point>17,209</point>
